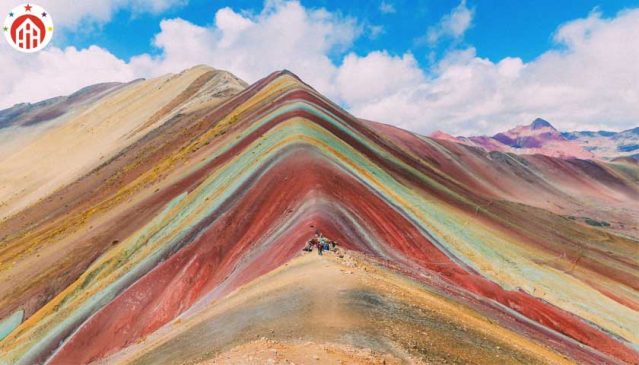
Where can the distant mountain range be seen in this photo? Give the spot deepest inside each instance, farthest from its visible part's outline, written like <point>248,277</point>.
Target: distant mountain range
<point>540,137</point>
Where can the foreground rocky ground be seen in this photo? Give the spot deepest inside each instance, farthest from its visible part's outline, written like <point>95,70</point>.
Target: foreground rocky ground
<point>339,308</point>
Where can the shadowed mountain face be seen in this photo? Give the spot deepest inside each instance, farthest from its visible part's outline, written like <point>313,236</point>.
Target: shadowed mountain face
<point>182,243</point>
<point>540,137</point>
<point>609,145</point>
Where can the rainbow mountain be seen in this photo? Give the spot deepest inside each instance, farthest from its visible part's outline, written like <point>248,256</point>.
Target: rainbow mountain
<point>162,221</point>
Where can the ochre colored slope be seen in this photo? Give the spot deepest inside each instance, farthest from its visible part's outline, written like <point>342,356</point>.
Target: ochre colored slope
<point>218,196</point>
<point>93,132</point>
<point>59,236</point>
<point>339,303</point>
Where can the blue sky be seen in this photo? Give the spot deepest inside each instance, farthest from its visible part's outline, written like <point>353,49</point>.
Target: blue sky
<point>501,28</point>
<point>463,66</point>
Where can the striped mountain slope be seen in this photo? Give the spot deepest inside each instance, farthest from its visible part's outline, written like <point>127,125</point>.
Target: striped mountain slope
<point>211,197</point>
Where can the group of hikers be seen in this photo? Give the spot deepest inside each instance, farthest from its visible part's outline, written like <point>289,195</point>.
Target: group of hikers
<point>321,243</point>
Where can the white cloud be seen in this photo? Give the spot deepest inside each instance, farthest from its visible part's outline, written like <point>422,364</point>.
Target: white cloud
<point>369,79</point>
<point>154,6</point>
<point>57,71</point>
<point>387,8</point>
<point>53,72</point>
<point>284,35</point>
<point>590,82</point>
<point>70,13</point>
<point>375,31</point>
<point>452,25</point>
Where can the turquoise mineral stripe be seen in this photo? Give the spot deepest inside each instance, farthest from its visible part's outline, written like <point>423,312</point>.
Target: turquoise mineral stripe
<point>90,305</point>
<point>228,179</point>
<point>10,323</point>
<point>293,105</point>
<point>472,236</point>
<point>164,235</point>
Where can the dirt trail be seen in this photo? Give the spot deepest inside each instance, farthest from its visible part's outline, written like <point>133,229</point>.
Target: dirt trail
<point>265,351</point>
<point>331,309</point>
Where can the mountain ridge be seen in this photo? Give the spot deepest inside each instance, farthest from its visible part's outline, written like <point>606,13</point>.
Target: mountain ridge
<point>541,137</point>
<point>215,197</point>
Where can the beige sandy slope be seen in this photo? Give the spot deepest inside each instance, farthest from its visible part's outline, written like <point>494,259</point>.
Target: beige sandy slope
<point>92,135</point>
<point>265,351</point>
<point>333,310</point>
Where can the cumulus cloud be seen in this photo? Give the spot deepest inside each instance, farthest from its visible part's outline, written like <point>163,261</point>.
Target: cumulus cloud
<point>282,35</point>
<point>590,81</point>
<point>55,71</point>
<point>371,78</point>
<point>452,25</point>
<point>70,13</point>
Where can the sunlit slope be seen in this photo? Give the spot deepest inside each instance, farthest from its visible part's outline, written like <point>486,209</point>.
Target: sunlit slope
<point>85,135</point>
<point>224,194</point>
<point>356,303</point>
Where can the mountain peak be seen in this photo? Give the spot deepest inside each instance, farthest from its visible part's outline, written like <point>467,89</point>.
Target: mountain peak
<point>540,123</point>
<point>439,134</point>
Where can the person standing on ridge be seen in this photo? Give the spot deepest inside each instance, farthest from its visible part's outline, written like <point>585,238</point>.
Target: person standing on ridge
<point>325,242</point>
<point>321,242</point>
<point>313,242</point>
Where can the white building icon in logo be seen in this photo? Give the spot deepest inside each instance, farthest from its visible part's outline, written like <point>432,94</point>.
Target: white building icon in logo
<point>28,35</point>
